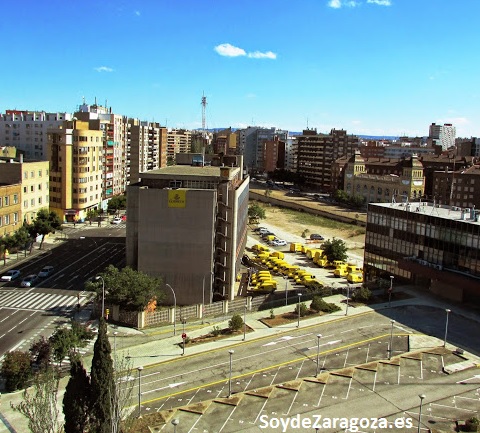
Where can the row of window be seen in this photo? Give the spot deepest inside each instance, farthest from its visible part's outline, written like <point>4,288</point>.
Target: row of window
<point>32,202</point>
<point>7,219</point>
<point>32,174</point>
<point>5,201</point>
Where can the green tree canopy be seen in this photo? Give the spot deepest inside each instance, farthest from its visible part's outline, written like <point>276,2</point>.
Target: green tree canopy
<point>76,398</point>
<point>45,222</point>
<point>16,370</point>
<point>102,389</point>
<point>133,290</point>
<point>256,211</point>
<point>335,249</point>
<point>116,203</point>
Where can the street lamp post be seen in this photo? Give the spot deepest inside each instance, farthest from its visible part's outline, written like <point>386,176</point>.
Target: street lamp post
<point>230,352</point>
<point>115,350</point>
<point>318,354</point>
<point>348,298</point>
<point>448,311</point>
<point>422,397</point>
<point>286,290</point>
<point>174,309</point>
<point>244,320</point>
<point>139,368</point>
<point>298,307</point>
<point>390,348</point>
<point>175,422</point>
<point>97,278</point>
<point>390,290</point>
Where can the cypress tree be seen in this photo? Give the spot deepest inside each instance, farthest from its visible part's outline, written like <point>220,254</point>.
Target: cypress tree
<point>76,398</point>
<point>102,389</point>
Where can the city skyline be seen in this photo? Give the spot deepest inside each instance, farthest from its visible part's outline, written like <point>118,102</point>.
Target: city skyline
<point>372,67</point>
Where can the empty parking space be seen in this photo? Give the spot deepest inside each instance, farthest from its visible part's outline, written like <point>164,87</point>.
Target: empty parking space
<point>338,388</point>
<point>387,375</point>
<point>410,369</point>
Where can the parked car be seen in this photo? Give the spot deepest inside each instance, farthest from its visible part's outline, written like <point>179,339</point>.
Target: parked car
<point>46,271</point>
<point>116,220</point>
<point>279,242</point>
<point>316,237</point>
<point>29,281</point>
<point>11,275</point>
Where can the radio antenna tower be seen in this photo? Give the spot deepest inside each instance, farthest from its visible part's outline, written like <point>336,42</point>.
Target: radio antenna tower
<point>204,109</point>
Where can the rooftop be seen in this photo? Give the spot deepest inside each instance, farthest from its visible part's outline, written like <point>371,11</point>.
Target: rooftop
<point>183,170</point>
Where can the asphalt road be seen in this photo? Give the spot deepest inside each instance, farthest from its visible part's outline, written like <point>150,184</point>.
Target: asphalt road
<point>82,253</point>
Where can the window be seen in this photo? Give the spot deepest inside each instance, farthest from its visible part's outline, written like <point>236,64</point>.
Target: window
<point>0,201</point>
<point>39,200</point>
<point>39,186</point>
<point>39,173</point>
<point>32,174</point>
<point>24,189</point>
<point>32,188</point>
<point>25,203</point>
<point>6,200</point>
<point>6,219</point>
<point>32,202</point>
<point>15,217</point>
<point>25,174</point>
<point>1,221</point>
<point>15,198</point>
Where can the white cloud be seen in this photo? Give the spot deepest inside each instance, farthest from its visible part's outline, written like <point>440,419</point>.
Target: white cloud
<point>251,96</point>
<point>380,2</point>
<point>103,69</point>
<point>229,50</point>
<point>337,4</point>
<point>260,55</point>
<point>137,13</point>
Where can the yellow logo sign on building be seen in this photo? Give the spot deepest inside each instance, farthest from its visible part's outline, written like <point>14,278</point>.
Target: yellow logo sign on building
<point>176,198</point>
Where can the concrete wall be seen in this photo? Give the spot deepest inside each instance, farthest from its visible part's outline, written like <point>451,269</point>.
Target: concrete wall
<point>177,243</point>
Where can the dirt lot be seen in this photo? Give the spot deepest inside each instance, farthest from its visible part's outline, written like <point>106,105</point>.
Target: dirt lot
<point>296,223</point>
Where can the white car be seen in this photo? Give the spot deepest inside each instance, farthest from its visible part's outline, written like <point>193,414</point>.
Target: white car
<point>279,243</point>
<point>46,271</point>
<point>29,281</point>
<point>11,275</point>
<point>116,220</point>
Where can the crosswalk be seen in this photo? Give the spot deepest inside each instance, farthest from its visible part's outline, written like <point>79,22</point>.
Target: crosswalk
<point>37,301</point>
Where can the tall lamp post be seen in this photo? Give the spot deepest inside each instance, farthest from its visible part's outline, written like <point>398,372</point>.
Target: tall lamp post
<point>422,397</point>
<point>318,354</point>
<point>230,352</point>
<point>448,311</point>
<point>98,278</point>
<point>175,422</point>
<point>174,309</point>
<point>244,320</point>
<point>139,368</point>
<point>390,290</point>
<point>390,348</point>
<point>348,298</point>
<point>286,290</point>
<point>298,307</point>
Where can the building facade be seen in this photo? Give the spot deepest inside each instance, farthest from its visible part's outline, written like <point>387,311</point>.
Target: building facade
<point>460,188</point>
<point>76,169</point>
<point>436,247</point>
<point>188,225</point>
<point>10,208</point>
<point>27,130</point>
<point>442,135</point>
<point>317,152</point>
<point>178,141</point>
<point>34,179</point>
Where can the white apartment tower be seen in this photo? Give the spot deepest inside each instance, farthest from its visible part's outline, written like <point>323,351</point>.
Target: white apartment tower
<point>442,135</point>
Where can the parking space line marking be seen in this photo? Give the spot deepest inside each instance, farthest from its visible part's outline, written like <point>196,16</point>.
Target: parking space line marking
<point>293,401</point>
<point>348,390</point>
<point>374,381</point>
<point>228,419</point>
<point>346,357</point>
<point>321,395</point>
<point>261,410</point>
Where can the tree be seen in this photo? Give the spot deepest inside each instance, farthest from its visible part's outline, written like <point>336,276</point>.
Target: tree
<point>39,405</point>
<point>363,294</point>
<point>16,370</point>
<point>267,193</point>
<point>116,203</point>
<point>255,211</point>
<point>76,398</point>
<point>236,322</point>
<point>319,304</point>
<point>44,223</point>
<point>40,353</point>
<point>22,238</point>
<point>65,340</point>
<point>6,244</point>
<point>102,387</point>
<point>335,249</point>
<point>92,214</point>
<point>134,291</point>
<point>303,309</point>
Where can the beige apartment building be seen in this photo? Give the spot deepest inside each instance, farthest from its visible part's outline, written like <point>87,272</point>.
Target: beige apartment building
<point>76,167</point>
<point>10,208</point>
<point>178,141</point>
<point>34,179</point>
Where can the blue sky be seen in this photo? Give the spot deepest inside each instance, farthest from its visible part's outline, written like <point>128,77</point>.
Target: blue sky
<point>378,67</point>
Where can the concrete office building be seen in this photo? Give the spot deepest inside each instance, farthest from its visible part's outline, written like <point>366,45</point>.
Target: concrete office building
<point>431,246</point>
<point>76,168</point>
<point>34,179</point>
<point>27,130</point>
<point>178,141</point>
<point>188,225</point>
<point>442,135</point>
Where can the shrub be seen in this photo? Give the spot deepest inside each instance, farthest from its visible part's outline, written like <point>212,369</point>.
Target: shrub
<point>216,331</point>
<point>303,309</point>
<point>362,295</point>
<point>272,314</point>
<point>472,424</point>
<point>236,322</point>
<point>319,304</point>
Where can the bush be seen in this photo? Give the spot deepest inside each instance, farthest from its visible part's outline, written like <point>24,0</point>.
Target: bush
<point>303,309</point>
<point>319,304</point>
<point>362,295</point>
<point>272,314</point>
<point>472,424</point>
<point>216,331</point>
<point>16,370</point>
<point>236,322</point>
